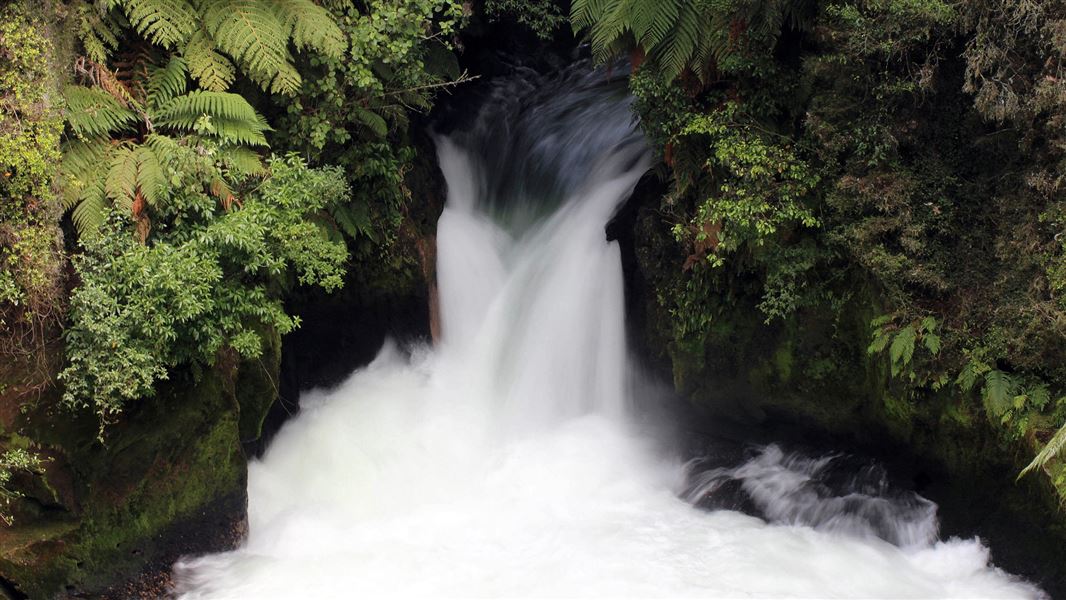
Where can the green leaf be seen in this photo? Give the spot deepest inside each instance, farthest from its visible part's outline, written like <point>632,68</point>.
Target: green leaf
<point>998,392</point>
<point>931,342</point>
<point>902,347</point>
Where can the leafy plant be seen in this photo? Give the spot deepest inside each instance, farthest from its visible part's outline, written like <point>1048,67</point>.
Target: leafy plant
<point>13,461</point>
<point>216,37</point>
<point>199,288</point>
<point>136,135</point>
<point>677,36</point>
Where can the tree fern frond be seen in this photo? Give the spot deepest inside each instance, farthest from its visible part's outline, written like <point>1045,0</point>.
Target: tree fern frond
<point>90,214</point>
<point>80,174</point>
<point>373,121</point>
<point>243,161</point>
<point>98,37</point>
<point>233,119</point>
<point>165,22</point>
<point>121,182</point>
<point>311,26</point>
<point>165,147</point>
<point>213,104</point>
<point>251,33</point>
<point>166,83</point>
<point>652,21</point>
<point>239,132</point>
<point>1052,449</point>
<point>610,28</point>
<point>150,179</point>
<point>213,71</point>
<point>285,80</point>
<point>93,112</point>
<point>585,13</point>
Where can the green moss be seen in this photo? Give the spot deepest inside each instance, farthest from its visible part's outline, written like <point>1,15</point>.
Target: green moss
<point>257,386</point>
<point>169,464</point>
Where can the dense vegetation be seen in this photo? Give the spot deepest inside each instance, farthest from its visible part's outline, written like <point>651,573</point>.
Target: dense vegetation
<point>171,171</point>
<point>905,155</point>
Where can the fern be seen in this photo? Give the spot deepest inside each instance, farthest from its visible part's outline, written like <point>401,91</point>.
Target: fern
<point>83,184</point>
<point>1051,450</point>
<point>252,34</point>
<point>311,26</point>
<point>166,83</point>
<point>92,112</point>
<point>232,119</point>
<point>121,182</point>
<point>677,35</point>
<point>168,23</point>
<point>242,161</point>
<point>998,392</point>
<point>98,36</point>
<point>211,70</point>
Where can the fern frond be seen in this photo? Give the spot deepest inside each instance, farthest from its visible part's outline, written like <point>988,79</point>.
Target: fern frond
<point>652,21</point>
<point>211,70</point>
<point>92,112</point>
<point>150,179</point>
<point>166,83</point>
<point>233,119</point>
<point>607,32</point>
<point>1052,449</point>
<point>121,182</point>
<point>585,13</point>
<point>251,33</point>
<point>243,161</point>
<point>373,121</point>
<point>239,132</point>
<point>998,391</point>
<point>90,214</point>
<point>311,26</point>
<point>82,183</point>
<point>165,22</point>
<point>98,37</point>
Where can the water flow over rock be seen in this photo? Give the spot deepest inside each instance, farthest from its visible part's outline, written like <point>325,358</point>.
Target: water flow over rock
<point>507,462</point>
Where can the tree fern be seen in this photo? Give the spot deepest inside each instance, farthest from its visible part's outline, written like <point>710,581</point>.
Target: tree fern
<point>168,23</point>
<point>213,71</point>
<point>677,35</point>
<point>166,83</point>
<point>92,112</point>
<point>121,182</point>
<point>1051,450</point>
<point>232,119</point>
<point>252,34</point>
<point>83,183</point>
<point>311,26</point>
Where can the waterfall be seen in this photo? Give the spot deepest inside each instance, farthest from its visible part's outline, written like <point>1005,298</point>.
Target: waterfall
<point>508,461</point>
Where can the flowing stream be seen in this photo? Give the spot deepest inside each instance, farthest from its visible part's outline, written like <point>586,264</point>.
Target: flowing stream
<point>512,460</point>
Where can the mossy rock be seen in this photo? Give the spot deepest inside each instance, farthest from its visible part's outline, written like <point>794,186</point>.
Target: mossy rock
<point>170,479</point>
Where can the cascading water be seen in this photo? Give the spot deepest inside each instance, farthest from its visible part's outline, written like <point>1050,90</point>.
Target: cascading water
<point>508,460</point>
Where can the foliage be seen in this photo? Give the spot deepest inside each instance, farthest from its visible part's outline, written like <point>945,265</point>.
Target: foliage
<point>31,259</point>
<point>141,160</point>
<point>542,17</point>
<point>199,288</point>
<point>355,112</point>
<point>13,461</point>
<point>756,187</point>
<point>218,37</point>
<point>677,36</point>
<point>909,149</point>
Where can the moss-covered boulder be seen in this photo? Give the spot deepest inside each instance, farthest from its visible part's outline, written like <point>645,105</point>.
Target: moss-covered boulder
<point>169,480</point>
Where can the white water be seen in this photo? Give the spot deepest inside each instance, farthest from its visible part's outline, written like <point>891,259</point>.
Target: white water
<point>507,461</point>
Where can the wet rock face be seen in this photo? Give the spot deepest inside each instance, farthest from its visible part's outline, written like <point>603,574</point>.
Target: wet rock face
<point>169,480</point>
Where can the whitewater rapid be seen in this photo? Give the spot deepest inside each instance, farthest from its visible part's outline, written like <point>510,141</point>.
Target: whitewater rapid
<point>509,460</point>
